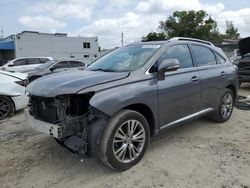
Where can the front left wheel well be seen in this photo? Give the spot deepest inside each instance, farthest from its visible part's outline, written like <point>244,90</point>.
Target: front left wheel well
<point>147,113</point>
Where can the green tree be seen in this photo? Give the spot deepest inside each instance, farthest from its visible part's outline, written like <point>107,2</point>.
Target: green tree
<point>231,31</point>
<point>154,36</point>
<point>194,24</point>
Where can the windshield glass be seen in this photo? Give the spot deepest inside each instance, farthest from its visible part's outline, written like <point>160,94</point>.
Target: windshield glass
<point>124,59</point>
<point>46,65</point>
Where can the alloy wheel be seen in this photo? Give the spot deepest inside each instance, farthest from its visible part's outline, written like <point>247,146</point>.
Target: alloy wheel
<point>227,106</point>
<point>129,141</point>
<point>4,108</point>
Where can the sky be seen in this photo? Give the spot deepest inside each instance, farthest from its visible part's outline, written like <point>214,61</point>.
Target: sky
<point>107,19</point>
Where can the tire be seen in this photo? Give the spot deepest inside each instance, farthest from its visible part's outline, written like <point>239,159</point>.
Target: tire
<point>129,149</point>
<point>224,112</point>
<point>7,108</point>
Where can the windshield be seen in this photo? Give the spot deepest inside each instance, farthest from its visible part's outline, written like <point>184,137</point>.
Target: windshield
<point>46,65</point>
<point>124,59</point>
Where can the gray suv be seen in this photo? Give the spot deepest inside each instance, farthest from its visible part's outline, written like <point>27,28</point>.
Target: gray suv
<point>115,106</point>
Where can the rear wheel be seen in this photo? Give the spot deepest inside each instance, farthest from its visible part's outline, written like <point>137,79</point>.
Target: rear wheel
<point>6,107</point>
<point>225,109</point>
<point>124,140</point>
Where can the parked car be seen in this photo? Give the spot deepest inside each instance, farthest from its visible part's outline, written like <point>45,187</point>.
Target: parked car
<point>13,96</point>
<point>54,66</point>
<point>242,60</point>
<point>25,64</point>
<point>115,106</point>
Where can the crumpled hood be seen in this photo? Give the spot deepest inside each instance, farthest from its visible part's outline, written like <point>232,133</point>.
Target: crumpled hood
<point>244,46</point>
<point>71,82</point>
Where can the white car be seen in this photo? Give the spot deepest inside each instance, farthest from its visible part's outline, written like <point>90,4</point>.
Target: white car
<point>25,64</point>
<point>13,96</point>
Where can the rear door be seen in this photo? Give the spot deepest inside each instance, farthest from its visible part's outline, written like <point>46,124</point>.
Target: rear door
<point>179,93</point>
<point>213,74</point>
<point>32,64</point>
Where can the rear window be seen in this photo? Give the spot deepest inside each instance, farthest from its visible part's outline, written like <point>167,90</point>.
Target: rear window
<point>43,60</point>
<point>75,64</point>
<point>203,56</point>
<point>220,60</point>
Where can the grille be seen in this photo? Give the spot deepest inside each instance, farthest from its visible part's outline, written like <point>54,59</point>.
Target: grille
<point>43,109</point>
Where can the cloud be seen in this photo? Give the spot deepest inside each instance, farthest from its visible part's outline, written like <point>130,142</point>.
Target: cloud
<point>240,19</point>
<point>109,30</point>
<point>159,6</point>
<point>77,9</point>
<point>41,22</point>
<point>134,18</point>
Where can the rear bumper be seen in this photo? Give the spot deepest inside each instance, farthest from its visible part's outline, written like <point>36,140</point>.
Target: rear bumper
<point>43,127</point>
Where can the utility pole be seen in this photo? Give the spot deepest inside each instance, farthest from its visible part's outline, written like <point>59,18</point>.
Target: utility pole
<point>122,38</point>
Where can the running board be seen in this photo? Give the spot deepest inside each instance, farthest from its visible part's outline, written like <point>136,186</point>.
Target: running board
<point>188,117</point>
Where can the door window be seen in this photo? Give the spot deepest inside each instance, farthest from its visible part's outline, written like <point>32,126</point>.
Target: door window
<point>203,56</point>
<point>180,52</point>
<point>20,62</point>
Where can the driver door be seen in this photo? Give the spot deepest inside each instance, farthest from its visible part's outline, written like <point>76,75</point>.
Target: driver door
<point>179,93</point>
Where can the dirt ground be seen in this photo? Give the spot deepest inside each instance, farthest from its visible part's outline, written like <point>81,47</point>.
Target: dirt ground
<point>198,154</point>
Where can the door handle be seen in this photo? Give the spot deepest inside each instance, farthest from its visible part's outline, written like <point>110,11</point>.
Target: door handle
<point>195,79</point>
<point>223,73</point>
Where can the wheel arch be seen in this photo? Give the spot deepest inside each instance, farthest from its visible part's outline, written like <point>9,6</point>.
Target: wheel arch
<point>233,89</point>
<point>146,112</point>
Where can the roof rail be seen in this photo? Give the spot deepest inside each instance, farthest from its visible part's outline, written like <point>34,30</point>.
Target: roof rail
<point>191,39</point>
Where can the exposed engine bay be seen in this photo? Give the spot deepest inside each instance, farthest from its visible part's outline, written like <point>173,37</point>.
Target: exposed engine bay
<point>74,116</point>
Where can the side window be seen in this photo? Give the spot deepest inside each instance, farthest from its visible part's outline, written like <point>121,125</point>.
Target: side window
<point>20,62</point>
<point>220,60</point>
<point>61,65</point>
<point>203,56</point>
<point>43,60</point>
<point>180,52</point>
<point>75,64</point>
<point>32,61</point>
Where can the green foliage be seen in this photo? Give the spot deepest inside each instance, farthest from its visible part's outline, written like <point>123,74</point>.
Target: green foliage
<point>231,31</point>
<point>194,24</point>
<point>153,36</point>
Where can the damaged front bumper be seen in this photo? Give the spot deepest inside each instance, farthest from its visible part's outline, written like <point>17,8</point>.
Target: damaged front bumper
<point>43,127</point>
<point>69,119</point>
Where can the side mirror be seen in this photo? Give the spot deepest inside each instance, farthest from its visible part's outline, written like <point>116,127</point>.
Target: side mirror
<point>52,69</point>
<point>167,65</point>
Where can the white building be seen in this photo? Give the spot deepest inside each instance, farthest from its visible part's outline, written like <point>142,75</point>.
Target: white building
<point>58,45</point>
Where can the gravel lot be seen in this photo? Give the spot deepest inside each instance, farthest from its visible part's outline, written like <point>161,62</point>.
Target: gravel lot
<point>198,154</point>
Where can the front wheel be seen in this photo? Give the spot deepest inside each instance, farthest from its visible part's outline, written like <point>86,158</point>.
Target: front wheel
<point>223,113</point>
<point>124,140</point>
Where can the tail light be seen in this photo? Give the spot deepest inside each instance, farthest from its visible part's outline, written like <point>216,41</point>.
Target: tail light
<point>23,83</point>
